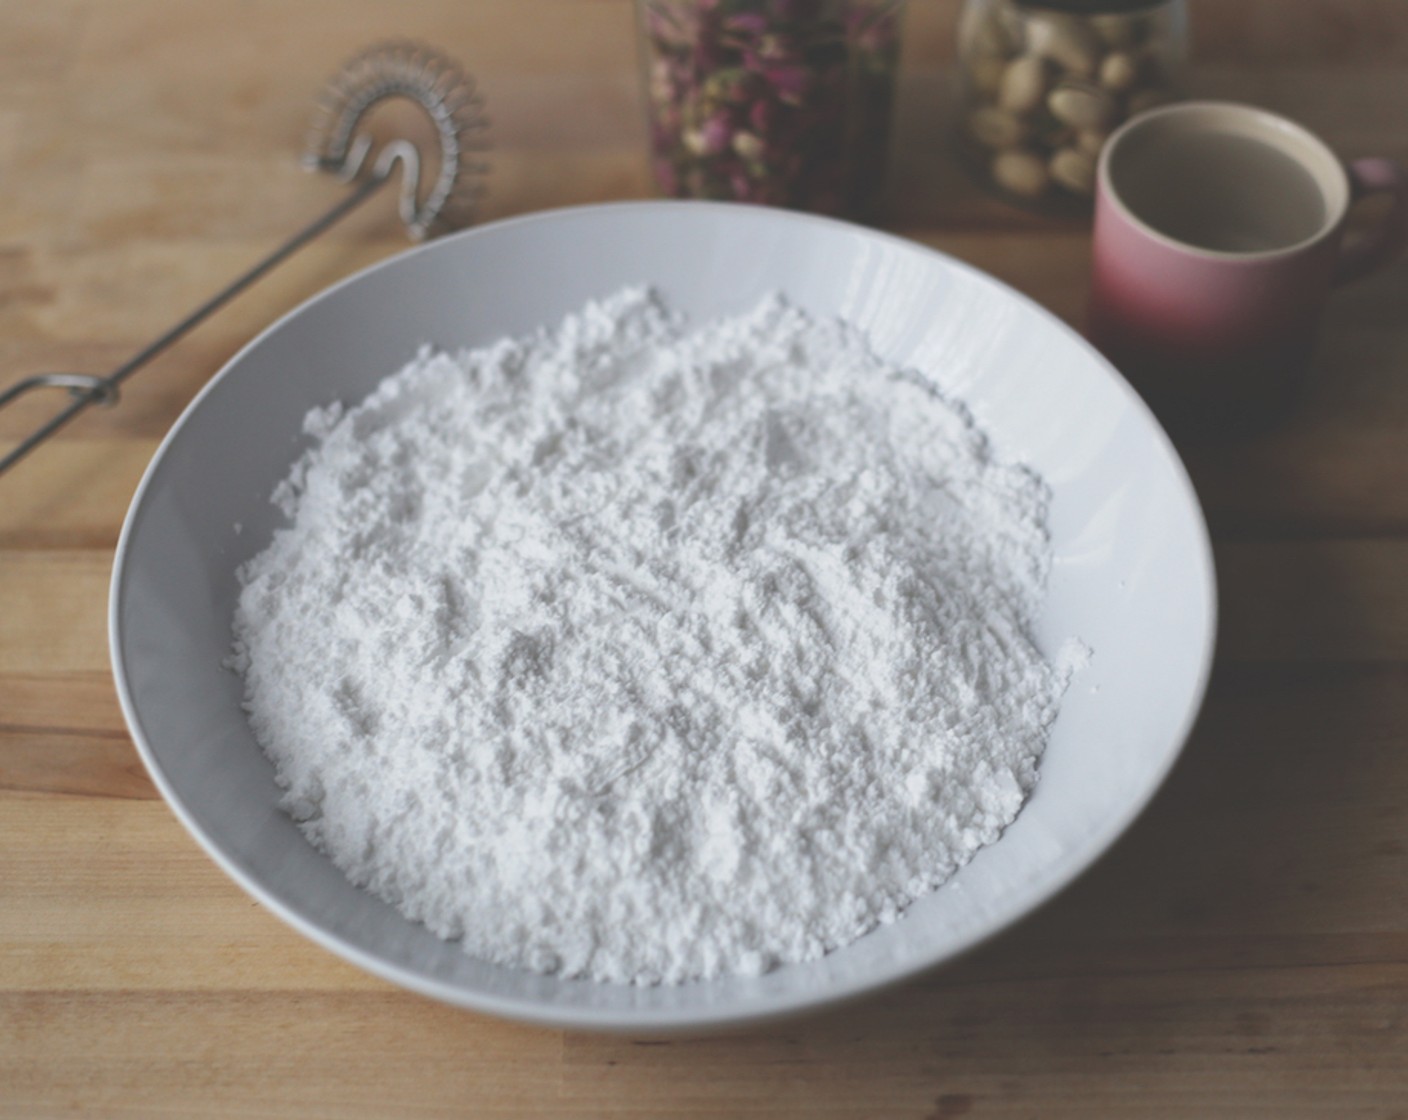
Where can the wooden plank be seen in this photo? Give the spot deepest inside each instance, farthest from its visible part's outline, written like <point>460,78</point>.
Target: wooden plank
<point>1284,818</point>
<point>111,894</point>
<point>52,615</point>
<point>79,702</point>
<point>242,1054</point>
<point>70,763</point>
<point>72,495</point>
<point>1253,34</point>
<point>1313,601</point>
<point>1358,33</point>
<point>40,46</point>
<point>1174,1045</point>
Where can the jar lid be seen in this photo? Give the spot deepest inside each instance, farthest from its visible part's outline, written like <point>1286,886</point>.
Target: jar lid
<point>1096,7</point>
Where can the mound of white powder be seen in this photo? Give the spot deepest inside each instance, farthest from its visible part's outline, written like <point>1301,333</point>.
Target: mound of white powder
<point>645,653</point>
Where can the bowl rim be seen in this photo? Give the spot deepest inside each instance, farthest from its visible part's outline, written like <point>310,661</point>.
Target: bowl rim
<point>677,1020</point>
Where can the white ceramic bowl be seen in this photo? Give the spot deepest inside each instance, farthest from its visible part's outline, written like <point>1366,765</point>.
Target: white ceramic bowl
<point>1133,573</point>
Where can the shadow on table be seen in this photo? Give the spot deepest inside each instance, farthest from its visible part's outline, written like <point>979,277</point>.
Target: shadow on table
<point>1244,925</point>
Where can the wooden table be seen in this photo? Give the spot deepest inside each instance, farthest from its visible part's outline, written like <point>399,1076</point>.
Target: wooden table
<point>1243,952</point>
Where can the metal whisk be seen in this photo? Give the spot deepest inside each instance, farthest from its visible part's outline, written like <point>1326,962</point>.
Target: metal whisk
<point>384,71</point>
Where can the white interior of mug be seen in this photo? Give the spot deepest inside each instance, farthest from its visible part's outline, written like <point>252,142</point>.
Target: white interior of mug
<point>1227,179</point>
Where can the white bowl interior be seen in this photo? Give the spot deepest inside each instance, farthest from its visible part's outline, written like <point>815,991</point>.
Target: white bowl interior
<point>1132,575</point>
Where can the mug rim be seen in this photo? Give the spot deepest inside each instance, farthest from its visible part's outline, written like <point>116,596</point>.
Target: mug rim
<point>1334,216</point>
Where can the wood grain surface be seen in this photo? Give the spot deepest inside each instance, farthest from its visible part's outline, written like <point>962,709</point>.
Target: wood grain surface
<point>1242,953</point>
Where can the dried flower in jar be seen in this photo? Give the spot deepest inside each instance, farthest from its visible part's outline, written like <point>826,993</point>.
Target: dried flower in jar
<point>784,102</point>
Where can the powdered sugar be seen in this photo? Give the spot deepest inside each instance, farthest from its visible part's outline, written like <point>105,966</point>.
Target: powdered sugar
<point>646,653</point>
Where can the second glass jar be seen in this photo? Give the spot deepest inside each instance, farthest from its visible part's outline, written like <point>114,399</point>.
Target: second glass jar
<point>1041,86</point>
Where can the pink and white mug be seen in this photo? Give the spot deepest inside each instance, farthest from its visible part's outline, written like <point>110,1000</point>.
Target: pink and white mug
<point>1218,236</point>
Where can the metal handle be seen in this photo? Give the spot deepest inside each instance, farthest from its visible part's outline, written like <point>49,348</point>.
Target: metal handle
<point>88,389</point>
<point>423,74</point>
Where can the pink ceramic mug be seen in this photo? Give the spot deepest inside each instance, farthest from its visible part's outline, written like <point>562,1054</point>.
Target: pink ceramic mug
<point>1218,232</point>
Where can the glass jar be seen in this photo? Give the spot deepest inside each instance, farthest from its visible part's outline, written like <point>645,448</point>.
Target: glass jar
<point>783,102</point>
<point>1042,84</point>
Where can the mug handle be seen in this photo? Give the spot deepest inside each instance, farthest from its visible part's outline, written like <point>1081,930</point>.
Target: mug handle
<point>1376,176</point>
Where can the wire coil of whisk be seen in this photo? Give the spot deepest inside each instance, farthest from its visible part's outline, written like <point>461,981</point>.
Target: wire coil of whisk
<point>448,95</point>
<point>384,71</point>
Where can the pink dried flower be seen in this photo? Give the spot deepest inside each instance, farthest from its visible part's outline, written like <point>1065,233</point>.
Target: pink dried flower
<point>762,116</point>
<point>750,23</point>
<point>791,82</point>
<point>749,145</point>
<point>710,138</point>
<point>717,133</point>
